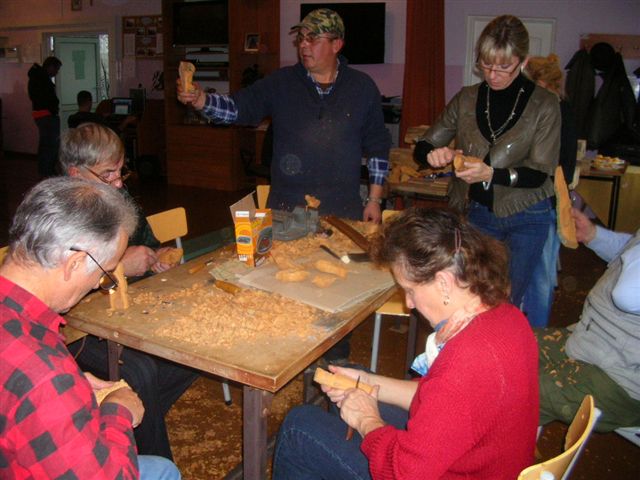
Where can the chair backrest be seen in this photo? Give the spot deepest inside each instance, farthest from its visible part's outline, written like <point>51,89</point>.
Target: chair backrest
<point>3,253</point>
<point>169,225</point>
<point>262,191</point>
<point>575,440</point>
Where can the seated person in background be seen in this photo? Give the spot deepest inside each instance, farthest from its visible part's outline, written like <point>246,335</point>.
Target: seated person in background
<point>479,384</point>
<point>85,115</point>
<point>94,152</point>
<point>601,355</point>
<point>51,425</point>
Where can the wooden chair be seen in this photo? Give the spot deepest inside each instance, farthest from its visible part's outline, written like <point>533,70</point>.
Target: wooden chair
<point>395,306</point>
<point>579,431</point>
<point>3,253</point>
<point>170,225</point>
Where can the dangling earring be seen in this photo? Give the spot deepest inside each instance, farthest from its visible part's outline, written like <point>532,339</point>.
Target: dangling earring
<point>446,299</point>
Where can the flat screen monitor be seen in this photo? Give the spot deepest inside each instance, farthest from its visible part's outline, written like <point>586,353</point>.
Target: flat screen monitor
<point>364,29</point>
<point>202,24</point>
<point>122,106</point>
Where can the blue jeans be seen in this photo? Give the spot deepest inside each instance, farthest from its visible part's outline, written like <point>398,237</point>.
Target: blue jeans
<point>48,145</point>
<point>539,296</point>
<point>524,233</point>
<point>157,468</point>
<point>311,445</point>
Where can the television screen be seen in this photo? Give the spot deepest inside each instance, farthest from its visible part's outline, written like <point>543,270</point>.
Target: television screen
<point>364,29</point>
<point>201,23</point>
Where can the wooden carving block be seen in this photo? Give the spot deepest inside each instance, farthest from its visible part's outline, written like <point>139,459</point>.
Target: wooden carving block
<point>459,160</point>
<point>119,298</point>
<point>100,394</point>
<point>186,71</point>
<point>339,381</point>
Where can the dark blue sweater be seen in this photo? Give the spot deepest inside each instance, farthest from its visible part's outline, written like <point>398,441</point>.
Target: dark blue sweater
<point>319,142</point>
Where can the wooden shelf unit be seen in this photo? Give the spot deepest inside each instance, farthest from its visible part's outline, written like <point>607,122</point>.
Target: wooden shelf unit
<point>205,155</point>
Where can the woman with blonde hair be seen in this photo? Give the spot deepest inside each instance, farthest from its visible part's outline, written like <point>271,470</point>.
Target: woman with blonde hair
<point>546,73</point>
<point>513,127</point>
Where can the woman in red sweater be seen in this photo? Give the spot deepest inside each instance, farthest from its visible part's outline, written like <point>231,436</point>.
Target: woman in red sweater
<point>473,413</point>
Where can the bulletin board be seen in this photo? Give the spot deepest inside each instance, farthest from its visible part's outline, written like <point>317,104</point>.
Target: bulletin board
<point>142,36</point>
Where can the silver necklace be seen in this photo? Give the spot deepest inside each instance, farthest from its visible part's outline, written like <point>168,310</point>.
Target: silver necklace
<point>496,133</point>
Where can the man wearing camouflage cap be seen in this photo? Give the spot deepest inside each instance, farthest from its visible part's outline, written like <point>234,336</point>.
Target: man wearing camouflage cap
<point>326,116</point>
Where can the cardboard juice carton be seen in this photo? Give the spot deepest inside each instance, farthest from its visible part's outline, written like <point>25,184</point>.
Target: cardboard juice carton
<point>253,230</point>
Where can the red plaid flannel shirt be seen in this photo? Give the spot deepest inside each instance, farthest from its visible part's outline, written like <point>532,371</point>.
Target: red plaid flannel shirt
<point>50,423</point>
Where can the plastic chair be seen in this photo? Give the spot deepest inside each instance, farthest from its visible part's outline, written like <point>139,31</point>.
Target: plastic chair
<point>559,467</point>
<point>172,225</point>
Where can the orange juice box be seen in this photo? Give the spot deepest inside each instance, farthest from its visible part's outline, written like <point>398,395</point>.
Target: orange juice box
<point>253,229</point>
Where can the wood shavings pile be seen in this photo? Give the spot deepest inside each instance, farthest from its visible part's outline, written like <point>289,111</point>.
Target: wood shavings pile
<point>221,319</point>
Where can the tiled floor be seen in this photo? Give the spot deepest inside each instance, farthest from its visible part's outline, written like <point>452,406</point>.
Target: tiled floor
<point>206,434</point>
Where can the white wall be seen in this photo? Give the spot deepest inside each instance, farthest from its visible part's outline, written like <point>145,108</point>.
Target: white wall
<point>573,19</point>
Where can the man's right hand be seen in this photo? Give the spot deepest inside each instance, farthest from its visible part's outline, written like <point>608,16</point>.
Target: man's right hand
<point>196,98</point>
<point>129,400</point>
<point>585,229</point>
<point>137,260</point>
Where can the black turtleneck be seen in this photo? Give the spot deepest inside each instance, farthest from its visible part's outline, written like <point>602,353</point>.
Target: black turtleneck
<point>501,104</point>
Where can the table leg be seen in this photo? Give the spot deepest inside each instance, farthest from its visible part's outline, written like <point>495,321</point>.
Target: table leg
<point>114,350</point>
<point>412,336</point>
<point>256,405</point>
<point>613,204</point>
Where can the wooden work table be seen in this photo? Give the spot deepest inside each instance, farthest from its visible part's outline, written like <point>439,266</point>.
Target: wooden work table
<point>263,365</point>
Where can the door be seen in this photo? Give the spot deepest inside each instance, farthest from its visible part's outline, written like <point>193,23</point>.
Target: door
<point>80,63</point>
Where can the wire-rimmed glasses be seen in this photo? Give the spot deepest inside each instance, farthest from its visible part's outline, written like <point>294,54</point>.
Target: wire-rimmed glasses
<point>107,282</point>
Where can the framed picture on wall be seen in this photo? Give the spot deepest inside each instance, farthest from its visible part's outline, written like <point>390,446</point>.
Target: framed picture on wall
<point>251,42</point>
<point>542,40</point>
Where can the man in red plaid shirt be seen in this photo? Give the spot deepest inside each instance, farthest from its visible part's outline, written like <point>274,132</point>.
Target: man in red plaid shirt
<point>66,236</point>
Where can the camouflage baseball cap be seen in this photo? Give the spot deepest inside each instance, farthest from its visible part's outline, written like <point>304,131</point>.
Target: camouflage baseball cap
<point>322,20</point>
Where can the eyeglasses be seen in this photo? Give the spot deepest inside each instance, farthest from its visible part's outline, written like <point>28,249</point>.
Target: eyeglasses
<point>311,38</point>
<point>107,282</point>
<point>124,174</point>
<point>500,69</point>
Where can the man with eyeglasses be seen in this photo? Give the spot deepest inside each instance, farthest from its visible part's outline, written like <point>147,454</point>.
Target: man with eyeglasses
<point>95,153</point>
<point>326,117</point>
<point>65,236</point>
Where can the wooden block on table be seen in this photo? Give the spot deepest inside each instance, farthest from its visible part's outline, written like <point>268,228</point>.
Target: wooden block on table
<point>339,381</point>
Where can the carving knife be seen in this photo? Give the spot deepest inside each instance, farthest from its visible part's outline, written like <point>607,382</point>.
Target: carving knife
<point>350,429</point>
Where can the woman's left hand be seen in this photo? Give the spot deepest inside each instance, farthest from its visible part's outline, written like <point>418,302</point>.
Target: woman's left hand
<point>476,172</point>
<point>360,410</point>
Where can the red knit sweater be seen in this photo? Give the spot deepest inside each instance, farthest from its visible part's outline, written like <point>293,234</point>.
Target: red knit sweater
<point>474,414</point>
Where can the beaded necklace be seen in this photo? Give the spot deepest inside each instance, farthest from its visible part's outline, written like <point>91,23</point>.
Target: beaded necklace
<point>496,133</point>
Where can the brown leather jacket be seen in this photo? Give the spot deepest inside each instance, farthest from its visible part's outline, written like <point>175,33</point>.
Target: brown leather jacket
<point>534,142</point>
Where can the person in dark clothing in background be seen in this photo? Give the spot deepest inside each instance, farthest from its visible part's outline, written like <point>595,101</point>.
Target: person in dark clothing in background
<point>45,106</point>
<point>84,113</point>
